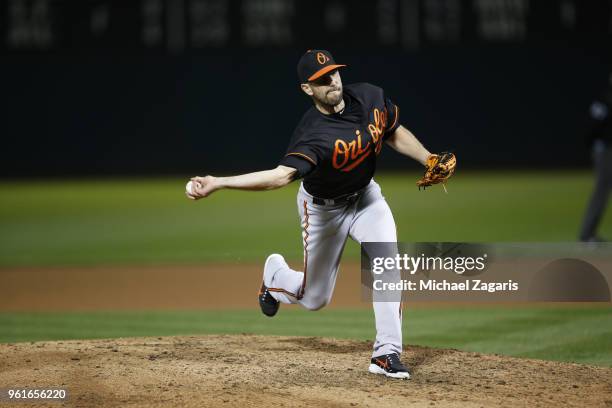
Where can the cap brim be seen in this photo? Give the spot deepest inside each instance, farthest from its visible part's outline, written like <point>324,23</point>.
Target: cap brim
<point>324,71</point>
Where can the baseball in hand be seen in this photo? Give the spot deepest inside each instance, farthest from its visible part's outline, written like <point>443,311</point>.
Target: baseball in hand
<point>188,188</point>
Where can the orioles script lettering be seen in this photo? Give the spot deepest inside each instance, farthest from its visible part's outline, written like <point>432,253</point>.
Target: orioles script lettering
<point>348,155</point>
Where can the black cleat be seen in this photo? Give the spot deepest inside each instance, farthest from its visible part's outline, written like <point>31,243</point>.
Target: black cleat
<point>269,305</point>
<point>389,365</point>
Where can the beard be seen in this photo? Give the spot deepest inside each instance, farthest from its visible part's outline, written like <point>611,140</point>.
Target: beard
<point>331,98</point>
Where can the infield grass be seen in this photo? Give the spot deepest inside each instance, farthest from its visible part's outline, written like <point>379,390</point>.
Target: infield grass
<point>566,333</point>
<point>150,221</point>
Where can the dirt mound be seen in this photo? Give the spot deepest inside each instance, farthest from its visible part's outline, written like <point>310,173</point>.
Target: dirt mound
<point>256,371</point>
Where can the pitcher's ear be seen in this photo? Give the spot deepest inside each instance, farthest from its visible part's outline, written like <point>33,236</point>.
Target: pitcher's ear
<point>307,89</point>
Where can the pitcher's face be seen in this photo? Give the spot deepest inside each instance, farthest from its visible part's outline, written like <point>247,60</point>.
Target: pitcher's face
<point>326,89</point>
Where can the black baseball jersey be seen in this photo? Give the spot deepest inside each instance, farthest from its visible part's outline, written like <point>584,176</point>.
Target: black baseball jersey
<point>336,154</point>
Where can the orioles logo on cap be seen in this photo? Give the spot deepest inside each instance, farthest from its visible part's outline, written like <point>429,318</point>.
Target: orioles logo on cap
<point>322,58</point>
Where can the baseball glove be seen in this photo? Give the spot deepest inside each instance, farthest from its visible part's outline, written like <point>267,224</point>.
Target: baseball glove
<point>439,169</point>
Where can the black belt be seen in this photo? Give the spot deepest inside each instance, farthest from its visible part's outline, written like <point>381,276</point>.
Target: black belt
<point>343,199</point>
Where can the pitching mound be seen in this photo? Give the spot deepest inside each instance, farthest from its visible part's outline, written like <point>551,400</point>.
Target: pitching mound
<point>260,371</point>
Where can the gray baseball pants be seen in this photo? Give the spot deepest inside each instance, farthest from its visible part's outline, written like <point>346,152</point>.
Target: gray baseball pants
<point>325,229</point>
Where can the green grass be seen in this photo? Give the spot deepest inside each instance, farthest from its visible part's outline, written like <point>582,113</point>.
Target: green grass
<point>150,221</point>
<point>576,334</point>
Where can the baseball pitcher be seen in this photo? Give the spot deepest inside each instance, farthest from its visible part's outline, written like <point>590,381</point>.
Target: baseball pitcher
<point>334,150</point>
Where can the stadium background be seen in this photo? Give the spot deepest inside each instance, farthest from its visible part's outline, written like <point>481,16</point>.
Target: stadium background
<point>109,107</point>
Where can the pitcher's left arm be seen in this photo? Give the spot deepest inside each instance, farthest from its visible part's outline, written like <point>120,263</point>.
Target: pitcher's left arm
<point>404,142</point>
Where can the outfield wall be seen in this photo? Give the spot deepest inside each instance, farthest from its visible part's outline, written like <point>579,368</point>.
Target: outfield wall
<point>227,111</point>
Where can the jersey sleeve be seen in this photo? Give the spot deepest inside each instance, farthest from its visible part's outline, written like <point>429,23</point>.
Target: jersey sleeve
<point>305,148</point>
<point>301,157</point>
<point>392,117</point>
<point>304,153</point>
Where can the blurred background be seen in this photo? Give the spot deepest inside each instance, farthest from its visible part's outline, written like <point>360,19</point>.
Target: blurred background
<point>181,86</point>
<point>110,106</point>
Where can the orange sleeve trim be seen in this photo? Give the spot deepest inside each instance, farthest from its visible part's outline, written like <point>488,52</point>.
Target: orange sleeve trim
<point>303,156</point>
<point>396,116</point>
